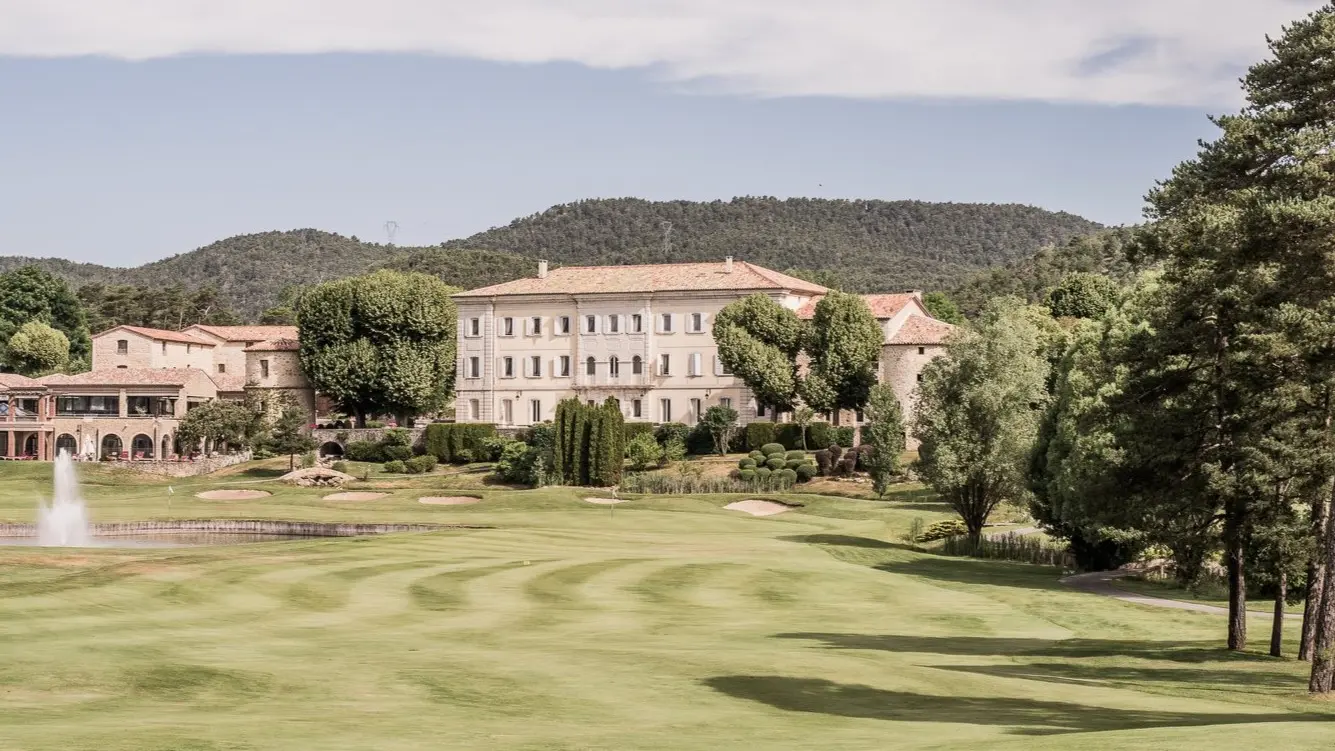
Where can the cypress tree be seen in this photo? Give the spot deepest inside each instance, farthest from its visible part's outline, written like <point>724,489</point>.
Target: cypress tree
<point>559,436</point>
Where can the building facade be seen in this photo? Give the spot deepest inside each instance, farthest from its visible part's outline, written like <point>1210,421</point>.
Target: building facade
<point>27,426</point>
<point>640,334</point>
<point>643,334</point>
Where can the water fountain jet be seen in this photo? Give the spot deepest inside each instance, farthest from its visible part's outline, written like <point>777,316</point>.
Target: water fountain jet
<point>65,522</point>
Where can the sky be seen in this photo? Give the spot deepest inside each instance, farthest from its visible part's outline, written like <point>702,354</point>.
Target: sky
<point>131,130</point>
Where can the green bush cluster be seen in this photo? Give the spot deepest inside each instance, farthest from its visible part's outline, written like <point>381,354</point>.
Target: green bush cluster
<point>942,530</point>
<point>394,468</point>
<point>419,465</point>
<point>773,461</point>
<point>589,443</point>
<point>339,466</point>
<point>643,451</point>
<point>459,442</point>
<point>820,434</point>
<point>633,429</point>
<point>844,436</point>
<point>528,462</point>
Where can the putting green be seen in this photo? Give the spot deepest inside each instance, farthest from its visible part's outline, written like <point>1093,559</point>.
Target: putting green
<point>669,624</point>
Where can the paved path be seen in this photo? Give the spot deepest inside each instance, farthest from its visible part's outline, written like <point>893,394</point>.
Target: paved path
<point>1101,583</point>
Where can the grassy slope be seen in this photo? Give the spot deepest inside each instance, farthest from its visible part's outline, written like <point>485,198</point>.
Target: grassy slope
<point>667,623</point>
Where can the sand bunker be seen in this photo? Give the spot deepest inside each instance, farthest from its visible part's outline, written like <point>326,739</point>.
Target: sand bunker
<point>233,495</point>
<point>605,501</point>
<point>758,508</point>
<point>355,496</point>
<point>449,500</point>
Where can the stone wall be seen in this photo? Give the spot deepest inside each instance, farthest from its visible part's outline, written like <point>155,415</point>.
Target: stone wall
<point>344,436</point>
<point>200,466</point>
<point>246,526</point>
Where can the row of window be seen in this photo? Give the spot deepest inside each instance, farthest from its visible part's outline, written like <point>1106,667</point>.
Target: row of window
<point>594,324</point>
<point>561,366</point>
<point>635,410</point>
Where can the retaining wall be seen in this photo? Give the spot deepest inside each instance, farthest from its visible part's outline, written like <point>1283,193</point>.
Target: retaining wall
<point>200,466</point>
<point>250,526</point>
<point>344,436</point>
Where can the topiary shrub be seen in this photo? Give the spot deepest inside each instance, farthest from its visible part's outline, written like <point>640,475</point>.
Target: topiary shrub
<point>394,467</point>
<point>419,465</point>
<point>763,473</point>
<point>363,451</point>
<point>942,530</point>
<point>805,472</point>
<point>771,449</point>
<point>758,434</point>
<point>775,463</point>
<point>865,453</point>
<point>849,464</point>
<point>786,476</point>
<point>794,463</point>
<point>339,466</point>
<point>823,462</point>
<point>747,463</point>
<point>757,456</point>
<point>819,434</point>
<point>396,453</point>
<point>791,455</point>
<point>746,475</point>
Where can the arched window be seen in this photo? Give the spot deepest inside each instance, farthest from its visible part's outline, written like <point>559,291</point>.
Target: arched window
<point>613,366</point>
<point>111,445</point>
<point>67,443</point>
<point>590,366</point>
<point>636,365</point>
<point>142,447</point>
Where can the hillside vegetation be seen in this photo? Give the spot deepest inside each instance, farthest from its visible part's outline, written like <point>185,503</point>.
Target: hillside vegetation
<point>865,246</point>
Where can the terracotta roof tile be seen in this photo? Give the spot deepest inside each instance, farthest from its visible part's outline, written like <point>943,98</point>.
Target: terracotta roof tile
<point>276,345</point>
<point>922,330</point>
<point>229,381</point>
<point>247,333</point>
<point>667,277</point>
<point>126,377</point>
<point>882,306</point>
<point>159,335</point>
<point>15,381</point>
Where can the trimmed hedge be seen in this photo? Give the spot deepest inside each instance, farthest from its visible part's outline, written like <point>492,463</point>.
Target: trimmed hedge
<point>746,475</point>
<point>790,435</point>
<point>665,432</point>
<point>394,467</point>
<point>589,447</point>
<point>844,436</point>
<point>458,441</point>
<point>794,463</point>
<point>800,455</point>
<point>777,462</point>
<point>819,435</point>
<point>700,442</point>
<point>631,429</point>
<point>420,464</point>
<point>805,472</point>
<point>758,434</point>
<point>757,456</point>
<point>763,473</point>
<point>770,449</point>
<point>363,451</point>
<point>396,453</point>
<point>747,463</point>
<point>786,475</point>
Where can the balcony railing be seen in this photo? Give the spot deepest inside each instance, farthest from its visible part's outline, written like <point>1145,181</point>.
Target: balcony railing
<point>623,379</point>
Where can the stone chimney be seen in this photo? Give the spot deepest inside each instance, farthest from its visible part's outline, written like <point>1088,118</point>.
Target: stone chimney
<point>915,292</point>
<point>542,269</point>
<point>727,265</point>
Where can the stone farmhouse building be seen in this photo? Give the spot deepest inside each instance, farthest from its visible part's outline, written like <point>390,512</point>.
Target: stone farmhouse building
<point>142,382</point>
<point>643,334</point>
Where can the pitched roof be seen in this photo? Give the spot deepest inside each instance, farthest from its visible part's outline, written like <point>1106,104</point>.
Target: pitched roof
<point>882,306</point>
<point>247,333</point>
<point>276,345</point>
<point>665,277</point>
<point>14,381</point>
<point>126,377</point>
<point>922,330</point>
<point>229,381</point>
<point>161,335</point>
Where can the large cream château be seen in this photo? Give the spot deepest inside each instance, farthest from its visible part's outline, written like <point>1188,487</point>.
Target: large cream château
<point>641,334</point>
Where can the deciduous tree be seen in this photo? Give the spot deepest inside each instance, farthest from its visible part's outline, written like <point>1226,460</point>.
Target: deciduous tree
<point>37,349</point>
<point>29,294</point>
<point>885,433</point>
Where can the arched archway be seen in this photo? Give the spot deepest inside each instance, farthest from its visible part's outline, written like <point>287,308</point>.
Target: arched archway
<point>30,445</point>
<point>141,447</point>
<point>331,448</point>
<point>67,443</point>
<point>111,445</point>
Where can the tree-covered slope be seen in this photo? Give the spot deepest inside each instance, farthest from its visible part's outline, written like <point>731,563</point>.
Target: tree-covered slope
<point>866,246</point>
<point>871,245</point>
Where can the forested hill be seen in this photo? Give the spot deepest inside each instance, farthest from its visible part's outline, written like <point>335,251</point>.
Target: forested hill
<point>859,245</point>
<point>869,245</point>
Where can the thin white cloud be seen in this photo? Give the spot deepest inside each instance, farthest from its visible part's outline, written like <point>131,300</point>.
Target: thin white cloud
<point>1174,52</point>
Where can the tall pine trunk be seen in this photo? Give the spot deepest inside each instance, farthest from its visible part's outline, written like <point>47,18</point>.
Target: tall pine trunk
<point>1316,578</point>
<point>1234,539</point>
<point>1323,652</point>
<point>1277,628</point>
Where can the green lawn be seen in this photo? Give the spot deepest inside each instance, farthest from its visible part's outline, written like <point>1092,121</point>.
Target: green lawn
<point>665,623</point>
